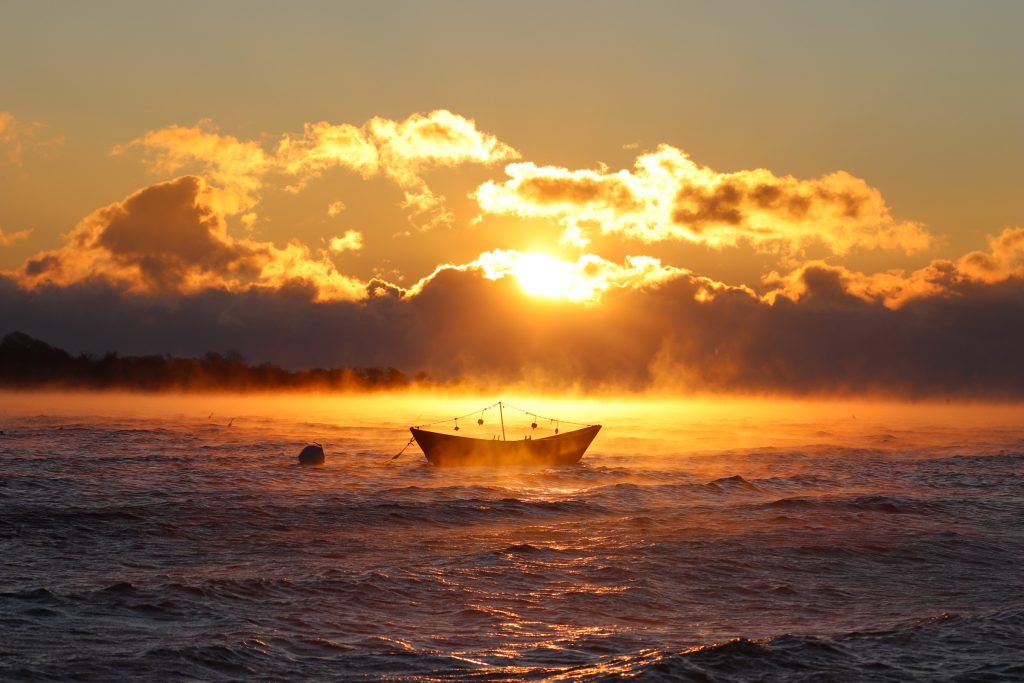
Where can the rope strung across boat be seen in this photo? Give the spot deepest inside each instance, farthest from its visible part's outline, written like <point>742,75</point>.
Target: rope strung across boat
<point>544,417</point>
<point>505,405</point>
<point>460,417</point>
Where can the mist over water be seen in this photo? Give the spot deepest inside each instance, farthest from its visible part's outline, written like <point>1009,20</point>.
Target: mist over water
<point>174,537</point>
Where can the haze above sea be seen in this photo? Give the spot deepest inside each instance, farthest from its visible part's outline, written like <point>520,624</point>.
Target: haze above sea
<point>174,537</point>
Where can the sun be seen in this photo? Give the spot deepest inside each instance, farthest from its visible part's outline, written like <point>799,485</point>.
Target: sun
<point>551,278</point>
<point>540,275</point>
<point>544,276</point>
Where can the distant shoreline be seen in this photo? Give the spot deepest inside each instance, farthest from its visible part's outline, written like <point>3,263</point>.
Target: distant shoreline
<point>30,364</point>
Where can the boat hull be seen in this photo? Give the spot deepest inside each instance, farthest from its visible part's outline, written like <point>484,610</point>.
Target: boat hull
<point>447,450</point>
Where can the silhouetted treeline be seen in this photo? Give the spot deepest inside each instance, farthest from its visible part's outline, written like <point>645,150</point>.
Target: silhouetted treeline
<point>26,362</point>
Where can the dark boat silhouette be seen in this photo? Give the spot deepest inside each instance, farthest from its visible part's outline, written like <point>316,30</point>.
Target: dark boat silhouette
<point>564,448</point>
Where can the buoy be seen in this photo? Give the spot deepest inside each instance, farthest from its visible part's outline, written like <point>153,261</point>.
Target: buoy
<point>312,454</point>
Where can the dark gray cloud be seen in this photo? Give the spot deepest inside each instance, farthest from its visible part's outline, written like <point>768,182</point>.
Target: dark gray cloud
<point>964,343</point>
<point>170,238</point>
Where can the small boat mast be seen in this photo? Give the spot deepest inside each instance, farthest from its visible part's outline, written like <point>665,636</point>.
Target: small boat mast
<point>501,414</point>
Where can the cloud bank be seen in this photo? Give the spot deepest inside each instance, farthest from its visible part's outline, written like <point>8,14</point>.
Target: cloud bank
<point>667,330</point>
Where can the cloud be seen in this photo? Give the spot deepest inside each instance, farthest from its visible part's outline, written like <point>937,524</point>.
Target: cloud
<point>666,196</point>
<point>9,238</point>
<point>352,240</point>
<point>422,142</point>
<point>892,288</point>
<point>233,169</point>
<point>663,335</point>
<point>18,137</point>
<point>585,280</point>
<point>963,343</point>
<point>402,151</point>
<point>335,208</point>
<point>323,146</point>
<point>170,238</point>
<point>895,288</point>
<point>1004,260</point>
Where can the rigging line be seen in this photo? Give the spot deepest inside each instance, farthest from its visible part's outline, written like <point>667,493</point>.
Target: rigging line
<point>450,419</point>
<point>507,405</point>
<point>544,417</point>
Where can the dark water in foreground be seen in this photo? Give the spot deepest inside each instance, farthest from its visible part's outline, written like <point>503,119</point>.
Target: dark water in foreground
<point>166,545</point>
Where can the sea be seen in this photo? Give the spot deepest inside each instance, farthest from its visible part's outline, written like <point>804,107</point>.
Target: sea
<point>176,538</point>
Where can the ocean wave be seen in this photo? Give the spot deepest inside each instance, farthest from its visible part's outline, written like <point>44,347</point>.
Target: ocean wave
<point>946,647</point>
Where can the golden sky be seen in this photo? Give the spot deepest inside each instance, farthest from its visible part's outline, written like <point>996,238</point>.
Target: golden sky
<point>341,153</point>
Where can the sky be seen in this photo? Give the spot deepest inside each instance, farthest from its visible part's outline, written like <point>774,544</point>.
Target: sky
<point>795,197</point>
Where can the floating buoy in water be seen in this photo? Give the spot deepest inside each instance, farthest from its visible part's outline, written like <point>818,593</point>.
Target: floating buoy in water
<point>312,454</point>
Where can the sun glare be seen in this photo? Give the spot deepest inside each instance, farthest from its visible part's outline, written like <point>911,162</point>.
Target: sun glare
<point>584,280</point>
<point>548,277</point>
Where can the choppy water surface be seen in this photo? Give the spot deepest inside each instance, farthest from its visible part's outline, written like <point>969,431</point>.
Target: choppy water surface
<point>170,539</point>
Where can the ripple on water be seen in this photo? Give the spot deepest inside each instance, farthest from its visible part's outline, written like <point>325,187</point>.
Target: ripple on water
<point>177,549</point>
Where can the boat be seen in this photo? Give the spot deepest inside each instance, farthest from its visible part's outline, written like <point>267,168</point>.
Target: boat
<point>561,448</point>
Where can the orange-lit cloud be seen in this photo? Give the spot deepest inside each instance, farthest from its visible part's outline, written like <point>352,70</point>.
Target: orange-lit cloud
<point>1004,260</point>
<point>583,280</point>
<point>894,288</point>
<point>399,150</point>
<point>17,137</point>
<point>352,240</point>
<point>171,238</point>
<point>421,142</point>
<point>666,196</point>
<point>234,169</point>
<point>9,238</point>
<point>323,146</point>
